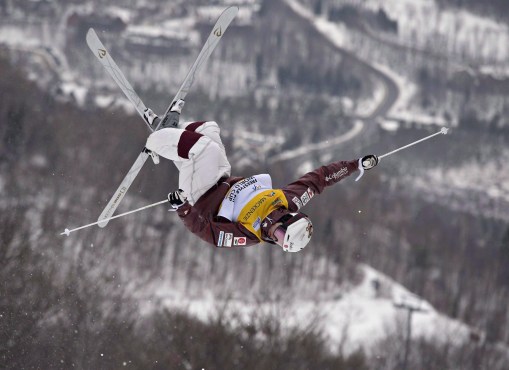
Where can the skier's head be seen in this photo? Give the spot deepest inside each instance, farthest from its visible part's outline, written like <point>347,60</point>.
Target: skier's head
<point>291,230</point>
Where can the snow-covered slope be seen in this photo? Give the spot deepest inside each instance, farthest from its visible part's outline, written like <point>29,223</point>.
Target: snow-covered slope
<point>353,317</point>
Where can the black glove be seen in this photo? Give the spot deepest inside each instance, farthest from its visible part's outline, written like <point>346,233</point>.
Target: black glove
<point>177,198</point>
<point>369,161</point>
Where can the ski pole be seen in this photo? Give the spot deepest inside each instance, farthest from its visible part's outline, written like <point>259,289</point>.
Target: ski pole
<point>67,231</point>
<point>442,131</point>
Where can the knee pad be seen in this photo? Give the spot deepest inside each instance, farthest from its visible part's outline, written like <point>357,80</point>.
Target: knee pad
<point>191,143</point>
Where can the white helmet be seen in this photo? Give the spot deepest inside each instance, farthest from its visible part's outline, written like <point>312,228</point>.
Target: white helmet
<point>297,230</point>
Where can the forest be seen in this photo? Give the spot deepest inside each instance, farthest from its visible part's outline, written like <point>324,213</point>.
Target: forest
<point>427,219</point>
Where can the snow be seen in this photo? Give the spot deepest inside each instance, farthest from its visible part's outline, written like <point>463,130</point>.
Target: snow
<point>402,109</point>
<point>209,12</point>
<point>489,177</point>
<point>388,125</point>
<point>496,71</point>
<point>420,11</point>
<point>124,14</point>
<point>367,106</point>
<point>104,101</point>
<point>422,24</point>
<point>176,29</point>
<point>407,88</point>
<point>471,187</point>
<point>337,34</point>
<point>334,32</point>
<point>354,131</point>
<point>246,14</point>
<point>78,92</point>
<point>366,316</point>
<point>115,101</point>
<point>358,318</point>
<point>468,42</point>
<point>13,36</point>
<point>422,119</point>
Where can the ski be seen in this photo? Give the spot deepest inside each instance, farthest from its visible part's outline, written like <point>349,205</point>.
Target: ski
<point>216,34</point>
<point>114,71</point>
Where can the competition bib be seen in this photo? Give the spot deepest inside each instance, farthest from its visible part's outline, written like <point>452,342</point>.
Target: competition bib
<point>241,193</point>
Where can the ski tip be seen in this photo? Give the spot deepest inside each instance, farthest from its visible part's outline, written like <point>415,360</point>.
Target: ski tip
<point>102,224</point>
<point>234,9</point>
<point>90,32</point>
<point>91,38</point>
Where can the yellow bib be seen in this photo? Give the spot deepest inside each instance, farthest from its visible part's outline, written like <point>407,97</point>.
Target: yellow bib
<point>253,213</point>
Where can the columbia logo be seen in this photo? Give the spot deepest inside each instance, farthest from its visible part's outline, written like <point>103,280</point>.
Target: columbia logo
<point>337,175</point>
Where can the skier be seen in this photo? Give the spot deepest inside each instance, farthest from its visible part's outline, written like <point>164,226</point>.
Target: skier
<point>231,211</point>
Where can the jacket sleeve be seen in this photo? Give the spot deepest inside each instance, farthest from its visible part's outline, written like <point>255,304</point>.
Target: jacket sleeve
<point>218,231</point>
<point>300,192</point>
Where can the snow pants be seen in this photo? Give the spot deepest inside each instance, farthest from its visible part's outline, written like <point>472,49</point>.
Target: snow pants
<point>197,151</point>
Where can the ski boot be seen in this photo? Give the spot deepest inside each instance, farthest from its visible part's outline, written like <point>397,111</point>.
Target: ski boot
<point>151,118</point>
<point>153,155</point>
<point>173,116</point>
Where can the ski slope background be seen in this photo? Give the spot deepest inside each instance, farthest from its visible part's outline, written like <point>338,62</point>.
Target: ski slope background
<point>422,25</point>
<point>354,317</point>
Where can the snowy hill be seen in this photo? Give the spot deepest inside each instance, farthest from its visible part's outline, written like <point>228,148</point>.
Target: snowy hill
<point>354,317</point>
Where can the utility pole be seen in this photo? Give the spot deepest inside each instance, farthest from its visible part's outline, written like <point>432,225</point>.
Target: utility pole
<point>411,305</point>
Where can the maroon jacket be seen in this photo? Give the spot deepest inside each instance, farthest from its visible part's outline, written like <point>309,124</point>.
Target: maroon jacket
<point>202,220</point>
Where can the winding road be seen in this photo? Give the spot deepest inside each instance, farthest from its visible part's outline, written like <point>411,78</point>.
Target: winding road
<point>365,123</point>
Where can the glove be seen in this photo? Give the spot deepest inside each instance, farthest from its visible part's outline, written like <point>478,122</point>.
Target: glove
<point>177,198</point>
<point>369,161</point>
